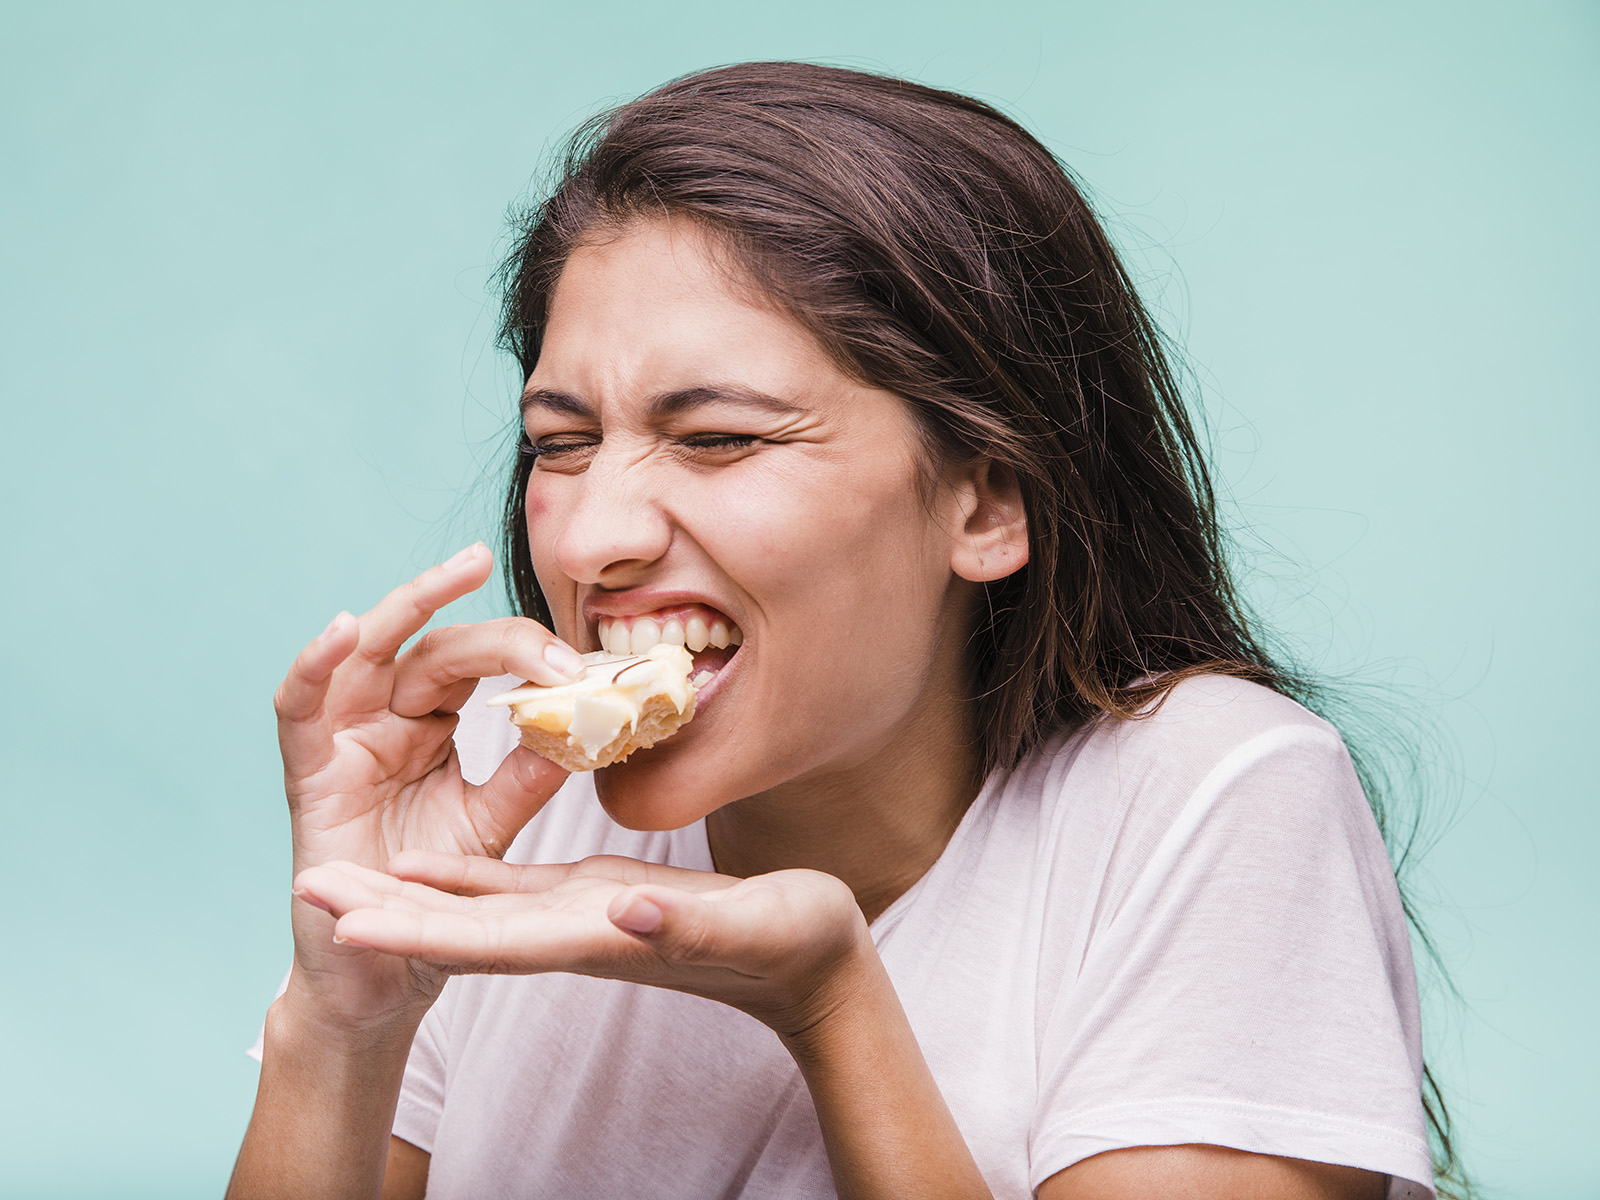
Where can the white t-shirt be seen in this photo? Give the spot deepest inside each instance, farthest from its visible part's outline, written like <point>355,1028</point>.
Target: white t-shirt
<point>1178,929</point>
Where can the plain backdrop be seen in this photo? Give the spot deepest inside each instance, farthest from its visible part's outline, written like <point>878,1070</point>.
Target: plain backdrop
<point>249,378</point>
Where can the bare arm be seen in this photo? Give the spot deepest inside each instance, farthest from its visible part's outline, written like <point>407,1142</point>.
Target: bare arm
<point>406,1176</point>
<point>887,1128</point>
<point>324,1107</point>
<point>1208,1173</point>
<point>369,771</point>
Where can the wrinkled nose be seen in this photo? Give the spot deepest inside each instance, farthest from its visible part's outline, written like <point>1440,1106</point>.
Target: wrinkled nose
<point>615,526</point>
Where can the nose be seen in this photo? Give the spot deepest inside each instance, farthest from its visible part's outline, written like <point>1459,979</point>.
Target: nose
<point>613,526</point>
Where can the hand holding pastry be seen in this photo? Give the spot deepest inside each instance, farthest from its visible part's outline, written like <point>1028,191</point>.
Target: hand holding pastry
<point>370,767</point>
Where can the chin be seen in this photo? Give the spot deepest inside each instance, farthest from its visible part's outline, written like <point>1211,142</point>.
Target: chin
<point>661,788</point>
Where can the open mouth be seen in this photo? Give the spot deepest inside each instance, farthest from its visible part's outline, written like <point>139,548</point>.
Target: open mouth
<point>710,637</point>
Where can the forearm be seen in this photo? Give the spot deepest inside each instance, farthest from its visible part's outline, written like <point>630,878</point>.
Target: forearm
<point>324,1109</point>
<point>888,1132</point>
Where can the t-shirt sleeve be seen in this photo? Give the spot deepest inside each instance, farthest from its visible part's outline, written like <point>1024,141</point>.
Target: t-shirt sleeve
<point>1250,984</point>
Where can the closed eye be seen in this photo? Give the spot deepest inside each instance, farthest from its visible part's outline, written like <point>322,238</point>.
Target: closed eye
<point>569,452</point>
<point>714,449</point>
<point>719,441</point>
<point>558,449</point>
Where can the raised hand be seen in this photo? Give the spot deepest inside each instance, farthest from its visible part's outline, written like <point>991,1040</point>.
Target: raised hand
<point>370,768</point>
<point>779,946</point>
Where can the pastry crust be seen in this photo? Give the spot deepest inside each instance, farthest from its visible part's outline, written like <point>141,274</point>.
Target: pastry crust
<point>622,704</point>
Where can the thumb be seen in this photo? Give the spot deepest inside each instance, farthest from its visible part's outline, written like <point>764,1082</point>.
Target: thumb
<point>511,797</point>
<point>681,926</point>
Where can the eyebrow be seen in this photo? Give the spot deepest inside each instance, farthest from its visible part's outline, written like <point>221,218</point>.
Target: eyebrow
<point>665,405</point>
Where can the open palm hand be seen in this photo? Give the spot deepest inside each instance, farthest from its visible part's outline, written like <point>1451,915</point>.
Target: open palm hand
<point>768,945</point>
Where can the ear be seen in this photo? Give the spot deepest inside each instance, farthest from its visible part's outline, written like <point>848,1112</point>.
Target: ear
<point>991,535</point>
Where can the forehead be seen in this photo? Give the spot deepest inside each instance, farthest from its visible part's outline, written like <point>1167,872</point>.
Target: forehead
<point>657,306</point>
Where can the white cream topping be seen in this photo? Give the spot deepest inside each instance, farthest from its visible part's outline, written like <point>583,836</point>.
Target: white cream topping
<point>611,694</point>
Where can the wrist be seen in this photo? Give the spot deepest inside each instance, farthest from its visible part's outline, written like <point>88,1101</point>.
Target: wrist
<point>849,993</point>
<point>304,1017</point>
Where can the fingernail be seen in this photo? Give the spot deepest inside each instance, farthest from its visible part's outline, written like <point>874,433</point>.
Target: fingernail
<point>564,659</point>
<point>332,625</point>
<point>462,557</point>
<point>638,915</point>
<point>301,894</point>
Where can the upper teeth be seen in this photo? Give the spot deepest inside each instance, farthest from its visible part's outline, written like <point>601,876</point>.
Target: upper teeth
<point>620,636</point>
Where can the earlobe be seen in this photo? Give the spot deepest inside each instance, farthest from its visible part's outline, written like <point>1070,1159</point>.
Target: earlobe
<point>992,541</point>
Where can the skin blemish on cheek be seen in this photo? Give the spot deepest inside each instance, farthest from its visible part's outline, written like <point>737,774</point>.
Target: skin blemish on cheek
<point>534,500</point>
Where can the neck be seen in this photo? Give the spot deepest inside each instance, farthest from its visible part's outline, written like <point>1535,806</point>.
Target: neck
<point>878,824</point>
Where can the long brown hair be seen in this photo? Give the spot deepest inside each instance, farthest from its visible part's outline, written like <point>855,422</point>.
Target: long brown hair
<point>938,251</point>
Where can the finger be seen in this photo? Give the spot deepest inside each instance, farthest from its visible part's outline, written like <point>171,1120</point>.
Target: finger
<point>482,940</point>
<point>521,785</point>
<point>304,733</point>
<point>340,887</point>
<point>400,614</point>
<point>633,870</point>
<point>456,697</point>
<point>475,875</point>
<point>429,676</point>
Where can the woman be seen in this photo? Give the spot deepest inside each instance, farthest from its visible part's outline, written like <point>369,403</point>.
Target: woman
<point>994,816</point>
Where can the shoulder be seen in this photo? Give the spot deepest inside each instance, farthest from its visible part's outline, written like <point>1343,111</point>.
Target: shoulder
<point>1233,953</point>
<point>1220,742</point>
<point>1216,767</point>
<point>1197,735</point>
<point>1206,717</point>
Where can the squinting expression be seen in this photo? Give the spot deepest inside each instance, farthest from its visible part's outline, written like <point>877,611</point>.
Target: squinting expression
<point>701,467</point>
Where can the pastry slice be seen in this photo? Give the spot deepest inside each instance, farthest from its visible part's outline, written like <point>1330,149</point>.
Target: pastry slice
<point>623,703</point>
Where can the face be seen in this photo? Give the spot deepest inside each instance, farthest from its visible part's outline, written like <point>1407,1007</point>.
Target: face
<point>702,466</point>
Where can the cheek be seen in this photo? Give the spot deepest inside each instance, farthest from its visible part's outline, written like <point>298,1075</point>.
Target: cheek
<point>840,541</point>
<point>535,502</point>
<point>850,582</point>
<point>541,508</point>
<point>543,514</point>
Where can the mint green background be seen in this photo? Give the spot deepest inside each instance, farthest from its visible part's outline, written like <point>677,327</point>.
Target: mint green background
<point>248,379</point>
